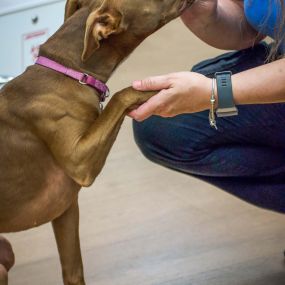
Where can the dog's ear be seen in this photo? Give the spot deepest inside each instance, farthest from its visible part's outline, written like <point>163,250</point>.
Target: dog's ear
<point>100,24</point>
<point>71,7</point>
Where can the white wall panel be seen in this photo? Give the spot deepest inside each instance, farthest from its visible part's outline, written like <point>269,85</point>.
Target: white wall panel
<point>24,25</point>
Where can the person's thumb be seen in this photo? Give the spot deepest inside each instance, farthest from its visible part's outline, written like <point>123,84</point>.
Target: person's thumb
<point>152,83</point>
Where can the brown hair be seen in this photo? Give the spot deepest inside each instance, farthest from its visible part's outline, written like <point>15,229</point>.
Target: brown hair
<point>279,34</point>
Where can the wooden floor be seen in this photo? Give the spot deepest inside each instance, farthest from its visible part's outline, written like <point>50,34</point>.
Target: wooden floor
<point>144,225</point>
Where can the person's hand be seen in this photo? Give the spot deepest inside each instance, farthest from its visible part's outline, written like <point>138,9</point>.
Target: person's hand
<point>179,93</point>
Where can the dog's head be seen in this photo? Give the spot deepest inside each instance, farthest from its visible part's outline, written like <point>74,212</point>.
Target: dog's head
<point>136,18</point>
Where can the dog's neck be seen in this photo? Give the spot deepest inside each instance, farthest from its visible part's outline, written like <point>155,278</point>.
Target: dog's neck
<point>66,47</point>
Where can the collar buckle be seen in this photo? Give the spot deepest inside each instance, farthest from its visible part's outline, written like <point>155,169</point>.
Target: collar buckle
<point>83,79</point>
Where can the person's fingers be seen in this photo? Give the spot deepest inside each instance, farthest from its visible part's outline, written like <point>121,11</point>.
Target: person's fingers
<point>151,107</point>
<point>132,114</point>
<point>152,83</point>
<point>143,112</point>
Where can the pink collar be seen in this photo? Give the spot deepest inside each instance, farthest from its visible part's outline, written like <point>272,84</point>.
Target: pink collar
<point>82,78</point>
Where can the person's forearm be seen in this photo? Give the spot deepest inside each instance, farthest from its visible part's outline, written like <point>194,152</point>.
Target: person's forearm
<point>261,85</point>
<point>189,92</point>
<point>225,28</point>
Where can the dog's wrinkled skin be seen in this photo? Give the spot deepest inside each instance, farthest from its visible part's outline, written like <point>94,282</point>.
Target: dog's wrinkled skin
<point>53,138</point>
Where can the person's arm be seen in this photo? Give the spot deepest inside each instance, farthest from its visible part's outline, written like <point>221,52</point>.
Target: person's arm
<point>189,92</point>
<point>261,85</point>
<point>221,24</point>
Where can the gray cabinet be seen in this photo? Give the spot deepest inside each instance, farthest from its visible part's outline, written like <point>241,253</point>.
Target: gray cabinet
<point>24,25</point>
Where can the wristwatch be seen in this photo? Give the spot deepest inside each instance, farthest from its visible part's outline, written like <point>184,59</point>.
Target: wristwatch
<point>226,105</point>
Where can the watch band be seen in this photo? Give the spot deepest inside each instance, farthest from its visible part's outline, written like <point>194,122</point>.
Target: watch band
<point>226,105</point>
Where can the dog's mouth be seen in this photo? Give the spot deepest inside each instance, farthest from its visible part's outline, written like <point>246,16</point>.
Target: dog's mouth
<point>186,4</point>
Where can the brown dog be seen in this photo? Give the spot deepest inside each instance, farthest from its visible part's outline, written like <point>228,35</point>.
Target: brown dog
<point>53,137</point>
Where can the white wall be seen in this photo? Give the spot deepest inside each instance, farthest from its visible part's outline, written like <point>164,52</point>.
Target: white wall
<point>24,25</point>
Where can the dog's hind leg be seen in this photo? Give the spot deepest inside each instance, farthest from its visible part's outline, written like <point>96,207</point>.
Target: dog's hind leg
<point>66,230</point>
<point>7,260</point>
<point>3,275</point>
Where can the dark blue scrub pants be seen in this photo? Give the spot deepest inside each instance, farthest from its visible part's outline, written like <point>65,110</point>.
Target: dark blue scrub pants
<point>245,156</point>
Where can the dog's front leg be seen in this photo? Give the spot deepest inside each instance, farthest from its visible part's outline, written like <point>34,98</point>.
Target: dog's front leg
<point>96,143</point>
<point>81,149</point>
<point>66,230</point>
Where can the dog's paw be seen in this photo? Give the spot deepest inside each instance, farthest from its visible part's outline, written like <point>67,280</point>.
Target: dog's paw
<point>130,98</point>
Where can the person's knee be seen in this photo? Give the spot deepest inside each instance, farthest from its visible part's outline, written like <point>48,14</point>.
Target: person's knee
<point>7,257</point>
<point>158,141</point>
<point>144,139</point>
